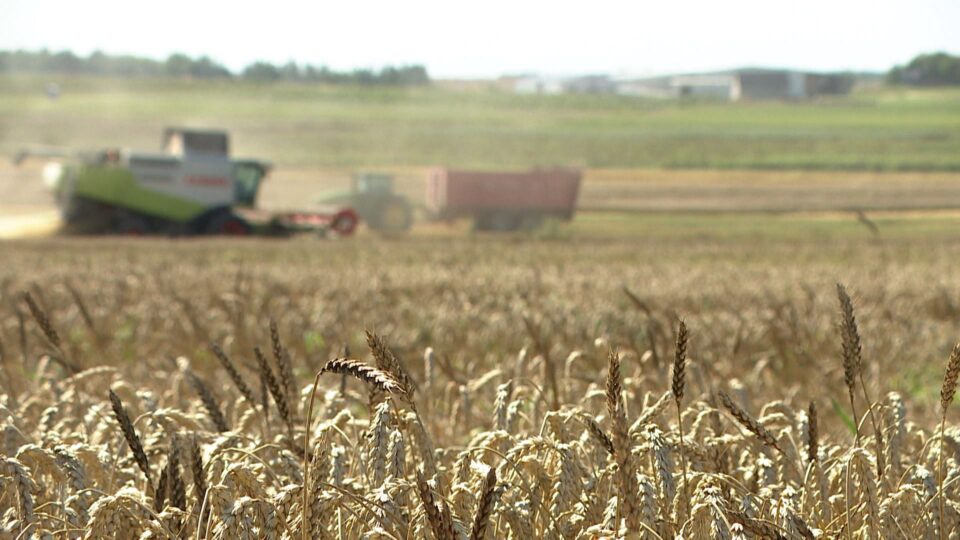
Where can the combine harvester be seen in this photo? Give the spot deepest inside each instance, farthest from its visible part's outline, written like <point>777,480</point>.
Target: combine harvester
<point>192,188</point>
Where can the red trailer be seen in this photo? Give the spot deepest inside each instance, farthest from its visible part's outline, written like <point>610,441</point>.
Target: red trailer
<point>503,201</point>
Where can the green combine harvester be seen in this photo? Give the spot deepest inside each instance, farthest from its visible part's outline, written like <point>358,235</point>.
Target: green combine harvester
<point>193,187</point>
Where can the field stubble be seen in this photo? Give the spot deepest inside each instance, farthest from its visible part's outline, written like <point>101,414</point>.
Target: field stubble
<point>507,388</point>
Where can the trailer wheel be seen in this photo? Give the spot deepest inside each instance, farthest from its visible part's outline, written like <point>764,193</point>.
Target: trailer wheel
<point>531,222</point>
<point>497,222</point>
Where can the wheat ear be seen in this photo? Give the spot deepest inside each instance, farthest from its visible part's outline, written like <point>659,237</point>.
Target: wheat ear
<point>947,391</point>
<point>485,505</point>
<point>209,402</point>
<point>749,422</point>
<point>626,479</point>
<point>852,348</point>
<point>282,357</point>
<point>130,434</point>
<point>441,527</point>
<point>234,375</point>
<point>813,444</point>
<point>43,321</point>
<point>389,362</point>
<point>274,387</point>
<point>677,387</point>
<point>375,377</point>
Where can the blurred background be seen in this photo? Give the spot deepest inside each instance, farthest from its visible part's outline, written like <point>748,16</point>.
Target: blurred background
<point>740,118</point>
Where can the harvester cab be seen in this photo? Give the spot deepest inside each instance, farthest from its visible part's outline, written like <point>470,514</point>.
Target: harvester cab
<point>212,146</point>
<point>191,187</point>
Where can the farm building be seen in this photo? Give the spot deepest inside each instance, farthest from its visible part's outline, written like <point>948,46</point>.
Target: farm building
<point>741,85</point>
<point>533,84</point>
<point>725,87</point>
<point>539,84</point>
<point>749,84</point>
<point>590,84</point>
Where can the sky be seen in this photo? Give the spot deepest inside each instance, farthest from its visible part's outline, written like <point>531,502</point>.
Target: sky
<point>488,38</point>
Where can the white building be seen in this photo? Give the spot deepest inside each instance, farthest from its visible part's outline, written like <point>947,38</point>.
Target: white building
<point>737,85</point>
<point>535,84</point>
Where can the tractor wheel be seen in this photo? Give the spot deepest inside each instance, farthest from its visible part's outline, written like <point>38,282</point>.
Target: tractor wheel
<point>393,216</point>
<point>227,224</point>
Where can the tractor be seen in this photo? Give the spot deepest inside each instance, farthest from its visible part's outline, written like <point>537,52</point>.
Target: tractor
<point>193,187</point>
<point>373,198</point>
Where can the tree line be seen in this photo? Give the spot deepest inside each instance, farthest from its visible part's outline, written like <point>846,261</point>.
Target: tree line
<point>203,67</point>
<point>935,69</point>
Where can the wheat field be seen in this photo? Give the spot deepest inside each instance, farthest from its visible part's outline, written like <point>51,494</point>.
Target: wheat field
<point>479,388</point>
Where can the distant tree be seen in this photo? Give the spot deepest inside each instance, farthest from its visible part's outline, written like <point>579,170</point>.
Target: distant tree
<point>936,69</point>
<point>290,72</point>
<point>98,63</point>
<point>180,66</point>
<point>205,68</point>
<point>66,62</point>
<point>261,71</point>
<point>365,77</point>
<point>414,75</point>
<point>177,65</point>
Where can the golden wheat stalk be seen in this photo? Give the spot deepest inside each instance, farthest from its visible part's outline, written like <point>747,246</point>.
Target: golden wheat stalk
<point>130,434</point>
<point>850,341</point>
<point>626,476</point>
<point>284,365</point>
<point>209,402</point>
<point>378,378</point>
<point>597,433</point>
<point>813,434</point>
<point>389,362</point>
<point>947,391</point>
<point>441,526</point>
<point>749,422</point>
<point>234,375</point>
<point>481,518</point>
<point>46,327</point>
<point>853,371</point>
<point>273,386</point>
<point>677,387</point>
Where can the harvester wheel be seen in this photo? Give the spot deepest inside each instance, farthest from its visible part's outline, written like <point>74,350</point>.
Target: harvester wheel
<point>131,225</point>
<point>227,224</point>
<point>85,216</point>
